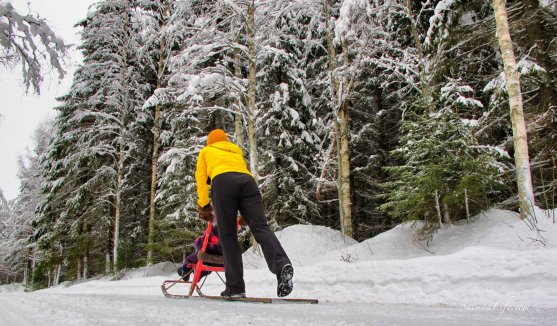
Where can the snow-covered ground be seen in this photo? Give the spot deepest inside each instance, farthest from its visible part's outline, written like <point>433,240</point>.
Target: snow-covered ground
<point>493,271</point>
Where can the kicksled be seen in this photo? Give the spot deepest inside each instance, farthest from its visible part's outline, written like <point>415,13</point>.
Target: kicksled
<point>193,288</point>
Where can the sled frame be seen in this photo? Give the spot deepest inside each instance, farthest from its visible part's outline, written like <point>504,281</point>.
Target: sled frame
<point>196,286</point>
<point>197,269</point>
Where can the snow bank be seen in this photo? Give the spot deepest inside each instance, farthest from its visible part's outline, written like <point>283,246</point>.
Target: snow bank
<point>11,288</point>
<point>159,269</point>
<point>309,244</point>
<point>305,245</point>
<point>495,260</point>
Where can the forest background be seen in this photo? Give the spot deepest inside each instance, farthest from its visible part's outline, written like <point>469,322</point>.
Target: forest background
<point>353,114</point>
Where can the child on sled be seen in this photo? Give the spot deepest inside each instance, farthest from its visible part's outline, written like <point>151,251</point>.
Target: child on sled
<point>213,248</point>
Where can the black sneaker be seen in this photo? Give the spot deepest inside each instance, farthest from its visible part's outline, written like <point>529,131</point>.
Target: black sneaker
<point>227,295</point>
<point>285,284</point>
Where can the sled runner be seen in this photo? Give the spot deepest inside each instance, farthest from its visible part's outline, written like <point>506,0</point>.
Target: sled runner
<point>195,285</point>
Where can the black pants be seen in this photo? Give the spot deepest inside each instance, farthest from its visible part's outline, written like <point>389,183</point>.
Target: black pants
<point>232,192</point>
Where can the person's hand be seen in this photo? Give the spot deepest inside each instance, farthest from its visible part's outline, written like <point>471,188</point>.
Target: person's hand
<point>205,212</point>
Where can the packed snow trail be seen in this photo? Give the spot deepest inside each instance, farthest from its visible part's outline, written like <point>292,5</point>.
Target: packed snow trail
<point>92,309</point>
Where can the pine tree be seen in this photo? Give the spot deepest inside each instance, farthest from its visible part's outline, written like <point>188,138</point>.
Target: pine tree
<point>158,36</point>
<point>442,160</point>
<point>88,176</point>
<point>29,199</point>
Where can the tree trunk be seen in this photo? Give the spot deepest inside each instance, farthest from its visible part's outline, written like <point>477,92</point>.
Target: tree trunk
<point>538,49</point>
<point>118,205</point>
<point>238,125</point>
<point>156,135</point>
<point>438,208</point>
<point>342,130</point>
<point>107,263</point>
<point>446,214</point>
<point>522,160</point>
<point>251,118</point>
<point>57,275</point>
<point>25,273</point>
<point>109,251</point>
<point>33,264</point>
<point>467,207</point>
<point>26,270</point>
<point>59,269</point>
<point>78,276</point>
<point>343,143</point>
<point>86,264</point>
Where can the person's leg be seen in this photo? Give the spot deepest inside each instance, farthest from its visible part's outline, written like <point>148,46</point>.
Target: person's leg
<point>224,194</point>
<point>251,207</point>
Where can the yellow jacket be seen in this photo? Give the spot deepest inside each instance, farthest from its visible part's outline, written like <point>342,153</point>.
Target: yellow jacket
<point>215,159</point>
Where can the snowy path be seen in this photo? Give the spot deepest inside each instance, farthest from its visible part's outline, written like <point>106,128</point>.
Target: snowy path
<point>114,309</point>
<point>476,270</point>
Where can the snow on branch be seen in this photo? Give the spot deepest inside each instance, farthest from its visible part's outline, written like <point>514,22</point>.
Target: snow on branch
<point>30,41</point>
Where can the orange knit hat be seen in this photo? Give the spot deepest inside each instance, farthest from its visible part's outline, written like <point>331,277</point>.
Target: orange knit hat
<point>216,136</point>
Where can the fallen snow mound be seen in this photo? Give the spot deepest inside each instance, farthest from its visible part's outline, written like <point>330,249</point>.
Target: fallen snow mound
<point>305,245</point>
<point>10,288</point>
<point>495,258</point>
<point>494,229</point>
<point>309,244</point>
<point>159,269</point>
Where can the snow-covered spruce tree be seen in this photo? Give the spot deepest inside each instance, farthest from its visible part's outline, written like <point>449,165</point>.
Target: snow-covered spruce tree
<point>51,223</point>
<point>442,164</point>
<point>29,41</point>
<point>210,73</point>
<point>93,136</point>
<point>175,130</point>
<point>376,66</point>
<point>469,52</point>
<point>177,196</point>
<point>6,230</point>
<point>22,247</point>
<point>134,141</point>
<point>288,142</point>
<point>287,125</point>
<point>312,56</point>
<point>185,119</point>
<point>158,43</point>
<point>204,74</point>
<point>439,154</point>
<point>367,48</point>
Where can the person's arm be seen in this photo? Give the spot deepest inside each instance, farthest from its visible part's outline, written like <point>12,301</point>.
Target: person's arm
<point>201,180</point>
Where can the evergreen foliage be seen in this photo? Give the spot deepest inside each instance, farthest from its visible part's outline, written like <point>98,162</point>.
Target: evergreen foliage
<point>442,160</point>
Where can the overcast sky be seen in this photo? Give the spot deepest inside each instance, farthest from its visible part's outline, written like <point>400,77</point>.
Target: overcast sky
<point>21,113</point>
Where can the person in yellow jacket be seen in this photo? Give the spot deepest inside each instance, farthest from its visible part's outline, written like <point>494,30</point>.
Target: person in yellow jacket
<point>233,188</point>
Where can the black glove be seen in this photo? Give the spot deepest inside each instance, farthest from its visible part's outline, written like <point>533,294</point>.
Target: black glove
<point>205,212</point>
